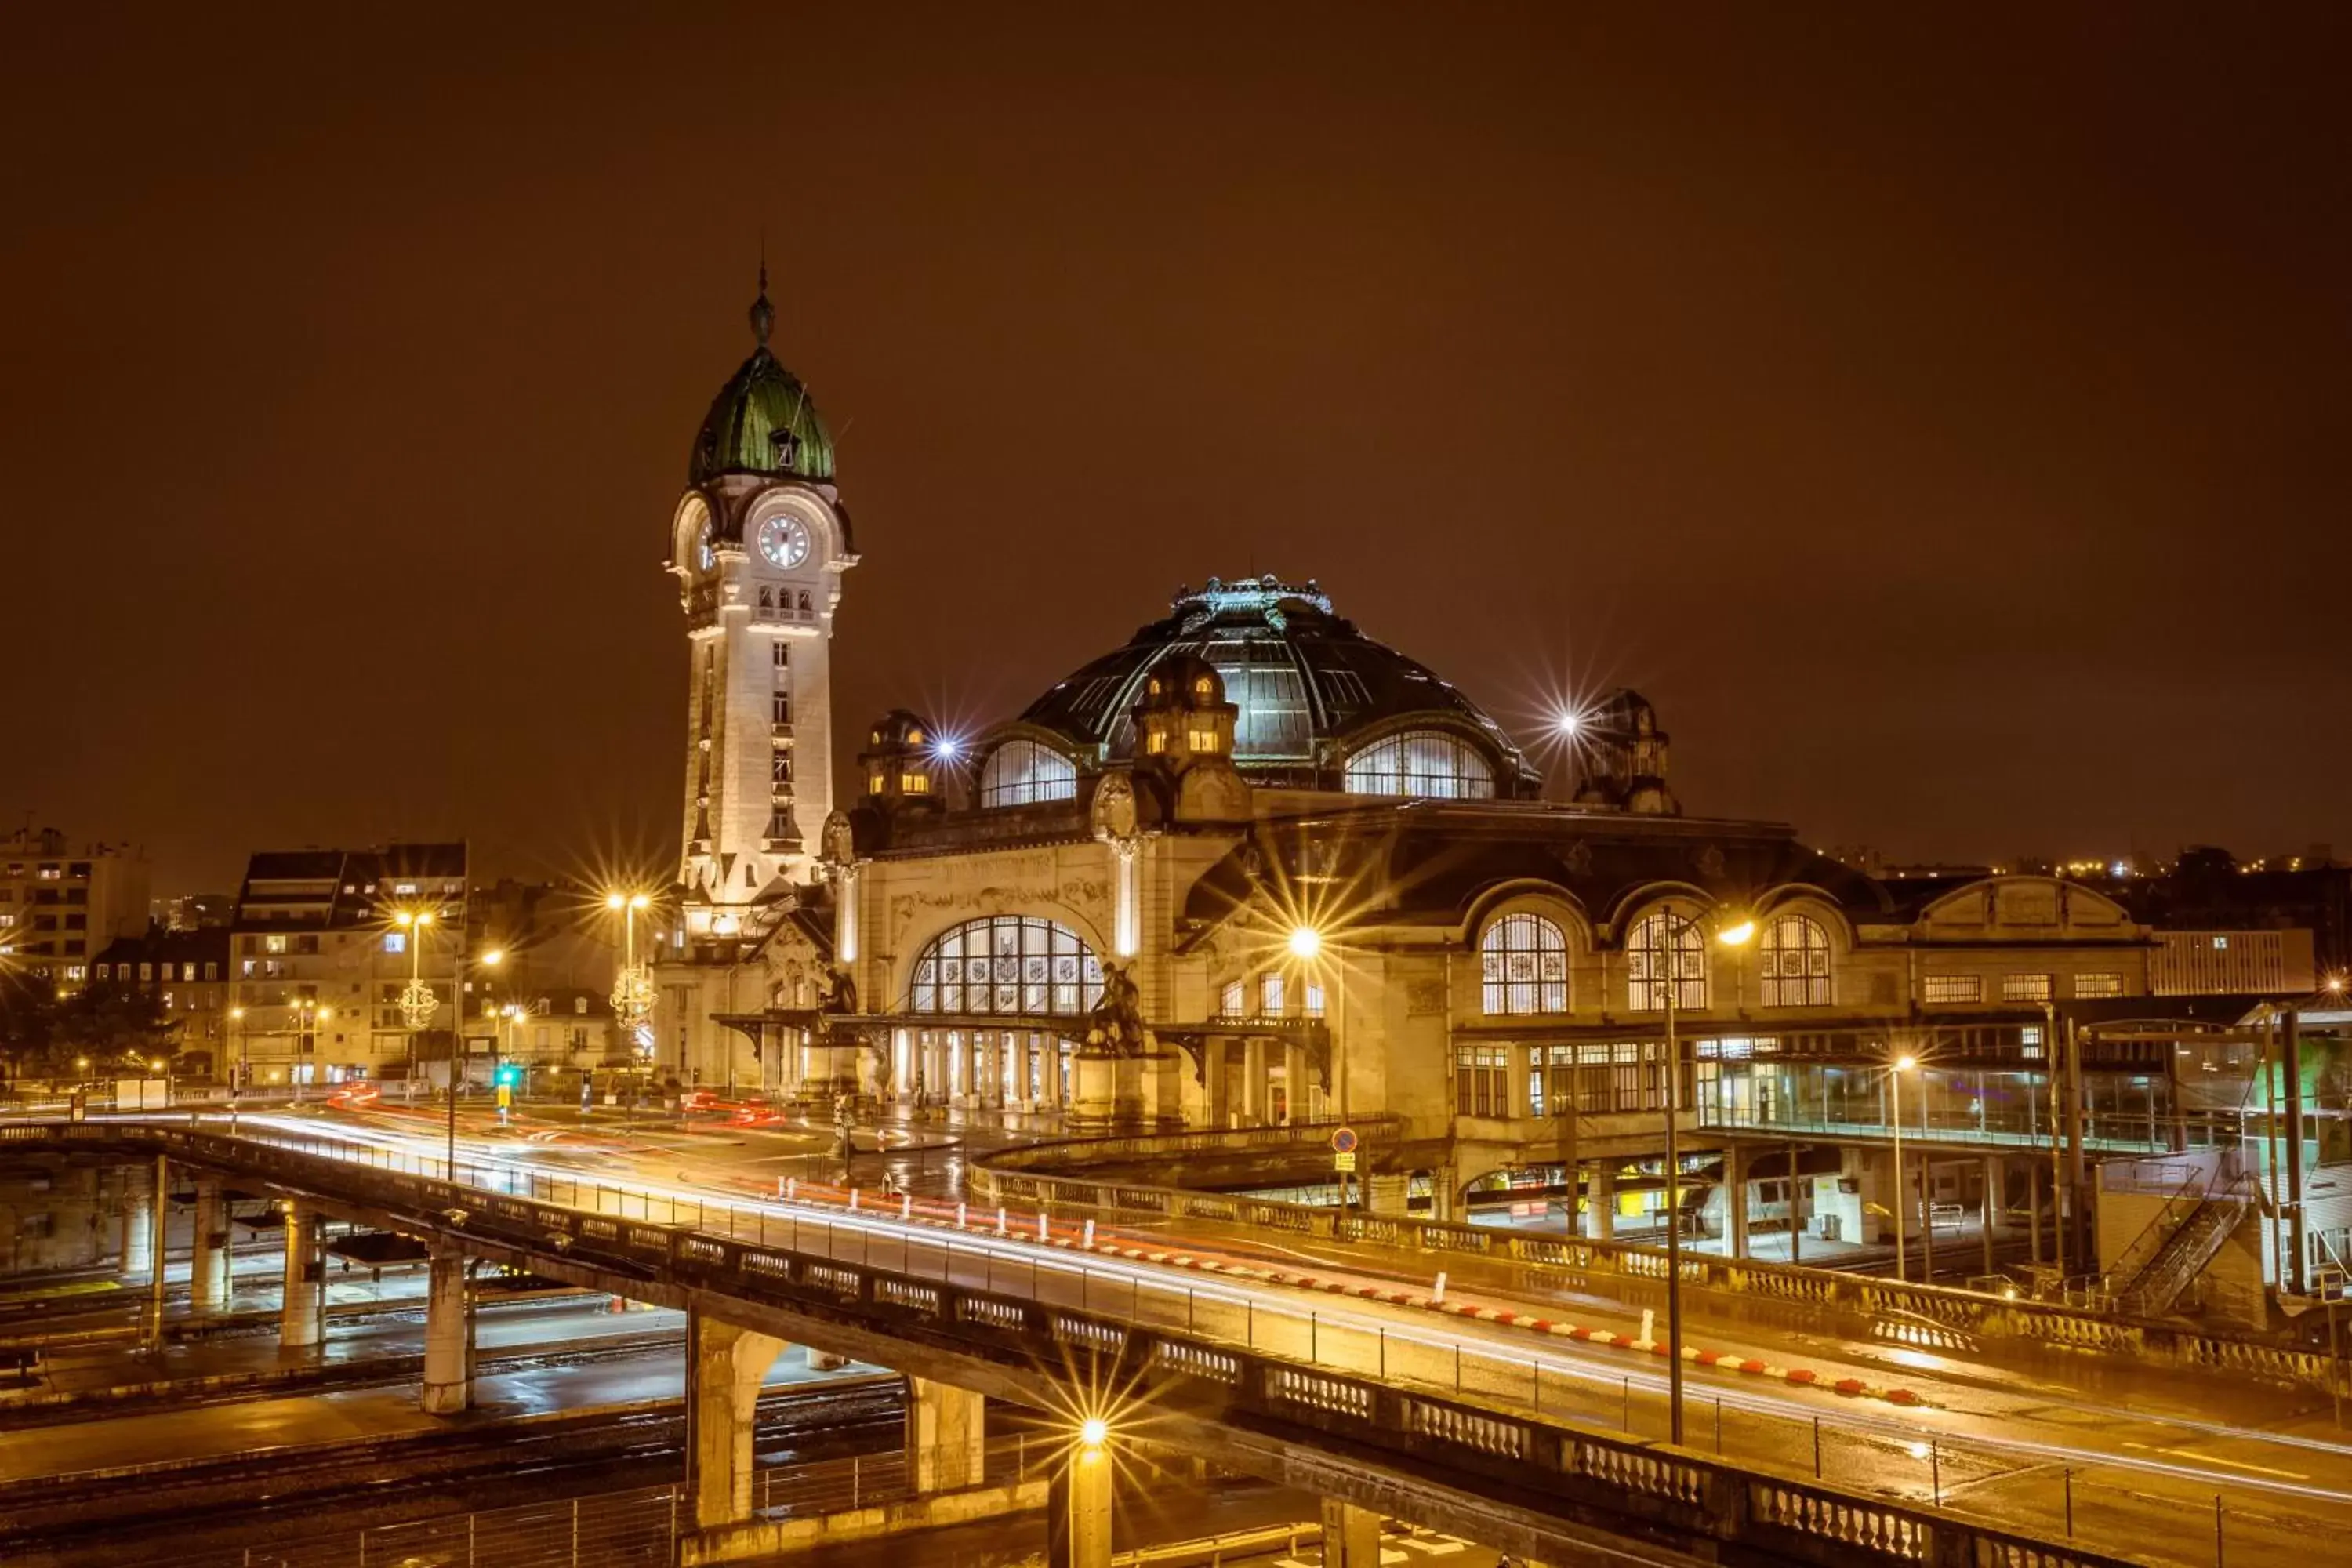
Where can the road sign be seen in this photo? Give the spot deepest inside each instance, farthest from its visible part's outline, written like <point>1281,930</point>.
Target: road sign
<point>1343,1141</point>
<point>1344,1162</point>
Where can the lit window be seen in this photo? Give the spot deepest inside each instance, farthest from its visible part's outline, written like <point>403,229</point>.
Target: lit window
<point>1204,741</point>
<point>73,972</point>
<point>1314,1003</point>
<point>2220,942</point>
<point>1422,762</point>
<point>2108,984</point>
<point>779,768</point>
<point>874,784</point>
<point>1951,988</point>
<point>1157,742</point>
<point>103,972</point>
<point>914,784</point>
<point>274,943</point>
<point>1794,959</point>
<point>146,972</point>
<point>1007,963</point>
<point>1230,1004</point>
<point>1269,996</point>
<point>2025,988</point>
<point>783,655</point>
<point>394,941</point>
<point>1023,773</point>
<point>187,973</point>
<point>1523,964</point>
<point>1645,964</point>
<point>404,887</point>
<point>1480,1087</point>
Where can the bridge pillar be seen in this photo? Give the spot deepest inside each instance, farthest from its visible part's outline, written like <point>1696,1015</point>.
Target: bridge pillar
<point>1735,1199</point>
<point>302,1314</point>
<point>209,1254</point>
<point>1600,1206</point>
<point>1995,1202</point>
<point>947,1436</point>
<point>1352,1535</point>
<point>137,1248</point>
<point>1079,1510</point>
<point>1388,1195</point>
<point>448,1338</point>
<point>730,1365</point>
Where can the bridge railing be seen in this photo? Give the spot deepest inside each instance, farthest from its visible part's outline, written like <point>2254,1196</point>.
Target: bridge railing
<point>1586,1263</point>
<point>1489,1419</point>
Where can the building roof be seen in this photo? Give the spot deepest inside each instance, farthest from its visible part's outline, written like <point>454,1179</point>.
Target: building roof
<point>207,945</point>
<point>761,401</point>
<point>1306,681</point>
<point>344,889</point>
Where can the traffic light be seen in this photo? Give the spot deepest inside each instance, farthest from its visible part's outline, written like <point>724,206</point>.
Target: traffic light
<point>510,1075</point>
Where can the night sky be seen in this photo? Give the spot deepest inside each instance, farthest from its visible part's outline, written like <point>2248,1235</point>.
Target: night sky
<point>1945,429</point>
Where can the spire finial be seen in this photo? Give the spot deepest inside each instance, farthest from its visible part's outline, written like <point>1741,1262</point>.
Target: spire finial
<point>763,315</point>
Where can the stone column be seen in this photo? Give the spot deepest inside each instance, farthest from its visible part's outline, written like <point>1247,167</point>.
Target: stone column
<point>137,1248</point>
<point>1600,1206</point>
<point>1217,1089</point>
<point>728,1366</point>
<point>1388,1195</point>
<point>301,1315</point>
<point>208,1253</point>
<point>1444,1192</point>
<point>1352,1535</point>
<point>947,1436</point>
<point>1253,1080</point>
<point>448,1375</point>
<point>1294,1083</point>
<point>1735,1199</point>
<point>1078,1510</point>
<point>1097,1098</point>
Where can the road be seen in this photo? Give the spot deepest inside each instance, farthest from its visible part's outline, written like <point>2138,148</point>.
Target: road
<point>2132,1455</point>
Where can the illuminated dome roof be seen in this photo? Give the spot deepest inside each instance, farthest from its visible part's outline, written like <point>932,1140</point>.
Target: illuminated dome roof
<point>1307,683</point>
<point>763,420</point>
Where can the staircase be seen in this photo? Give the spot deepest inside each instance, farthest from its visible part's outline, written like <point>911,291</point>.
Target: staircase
<point>2151,1292</point>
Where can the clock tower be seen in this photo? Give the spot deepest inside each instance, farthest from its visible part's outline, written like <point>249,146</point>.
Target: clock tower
<point>758,543</point>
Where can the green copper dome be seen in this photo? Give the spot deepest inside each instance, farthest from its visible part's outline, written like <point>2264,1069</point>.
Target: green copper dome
<point>763,420</point>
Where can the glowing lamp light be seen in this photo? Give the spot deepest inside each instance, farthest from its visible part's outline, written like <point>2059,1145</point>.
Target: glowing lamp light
<point>1737,933</point>
<point>1905,1064</point>
<point>1306,943</point>
<point>639,902</point>
<point>1094,1431</point>
<point>495,957</point>
<point>946,748</point>
<point>1567,723</point>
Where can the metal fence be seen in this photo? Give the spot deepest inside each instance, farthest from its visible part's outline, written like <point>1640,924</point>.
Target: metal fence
<point>638,1528</point>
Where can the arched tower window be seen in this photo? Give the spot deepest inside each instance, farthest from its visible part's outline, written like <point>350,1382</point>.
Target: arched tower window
<point>1007,963</point>
<point>1645,963</point>
<point>1523,960</point>
<point>1023,773</point>
<point>1794,960</point>
<point>1428,762</point>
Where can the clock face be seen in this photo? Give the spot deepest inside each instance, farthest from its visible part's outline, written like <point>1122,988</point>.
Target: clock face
<point>784,541</point>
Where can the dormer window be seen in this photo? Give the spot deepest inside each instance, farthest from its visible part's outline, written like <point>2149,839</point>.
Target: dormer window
<point>1203,689</point>
<point>1204,741</point>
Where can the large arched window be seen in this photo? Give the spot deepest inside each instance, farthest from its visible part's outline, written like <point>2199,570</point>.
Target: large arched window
<point>1422,762</point>
<point>1023,773</point>
<point>1645,962</point>
<point>1007,963</point>
<point>1523,960</point>
<point>1794,959</point>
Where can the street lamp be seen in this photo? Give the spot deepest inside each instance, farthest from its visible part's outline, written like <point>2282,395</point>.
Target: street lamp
<point>1894,1072</point>
<point>633,989</point>
<point>244,1051</point>
<point>418,1002</point>
<point>1732,936</point>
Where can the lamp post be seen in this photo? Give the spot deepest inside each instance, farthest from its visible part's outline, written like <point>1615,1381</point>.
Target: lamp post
<point>633,989</point>
<point>1732,936</point>
<point>244,1051</point>
<point>1894,1072</point>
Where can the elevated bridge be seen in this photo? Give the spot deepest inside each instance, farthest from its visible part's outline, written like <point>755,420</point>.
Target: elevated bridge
<point>1389,1424</point>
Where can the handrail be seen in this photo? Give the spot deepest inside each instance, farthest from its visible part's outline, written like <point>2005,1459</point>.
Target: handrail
<point>817,1266</point>
<point>2162,1227</point>
<point>1105,1149</point>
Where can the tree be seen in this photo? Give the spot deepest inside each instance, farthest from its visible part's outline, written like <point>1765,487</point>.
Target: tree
<point>110,1023</point>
